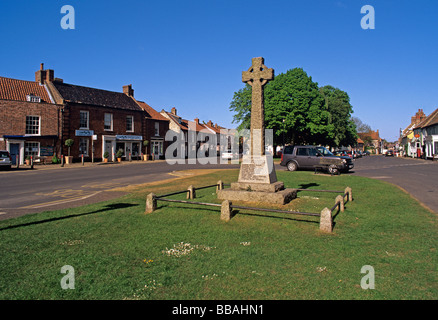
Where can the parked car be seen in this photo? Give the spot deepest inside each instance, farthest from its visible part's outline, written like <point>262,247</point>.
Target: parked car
<point>311,157</point>
<point>5,159</point>
<point>389,153</point>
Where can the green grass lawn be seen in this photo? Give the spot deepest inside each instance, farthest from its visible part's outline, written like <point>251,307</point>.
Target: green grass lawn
<point>186,252</point>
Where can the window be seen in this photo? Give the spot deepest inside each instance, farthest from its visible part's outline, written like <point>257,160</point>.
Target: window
<point>83,120</point>
<point>83,146</point>
<point>108,125</point>
<point>288,149</point>
<point>302,152</point>
<point>312,152</point>
<point>31,149</point>
<point>33,125</point>
<point>32,98</point>
<point>130,124</point>
<point>157,128</point>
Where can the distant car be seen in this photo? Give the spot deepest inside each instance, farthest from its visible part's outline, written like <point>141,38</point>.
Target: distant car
<point>229,155</point>
<point>311,157</point>
<point>389,153</point>
<point>5,159</point>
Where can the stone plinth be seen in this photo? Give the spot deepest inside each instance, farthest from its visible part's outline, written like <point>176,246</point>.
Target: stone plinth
<point>257,169</point>
<point>280,197</point>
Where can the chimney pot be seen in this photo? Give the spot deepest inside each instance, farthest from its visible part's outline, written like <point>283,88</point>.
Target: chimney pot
<point>173,111</point>
<point>128,90</point>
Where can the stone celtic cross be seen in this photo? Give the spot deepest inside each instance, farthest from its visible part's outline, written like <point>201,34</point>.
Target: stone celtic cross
<point>257,76</point>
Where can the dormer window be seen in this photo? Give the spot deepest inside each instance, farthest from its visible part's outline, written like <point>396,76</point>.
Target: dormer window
<point>33,98</point>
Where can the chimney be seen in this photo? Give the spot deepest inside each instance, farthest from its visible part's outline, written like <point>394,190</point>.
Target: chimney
<point>44,75</point>
<point>197,120</point>
<point>128,90</point>
<point>173,111</point>
<point>209,123</point>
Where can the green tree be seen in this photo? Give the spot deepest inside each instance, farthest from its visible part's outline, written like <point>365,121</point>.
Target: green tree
<point>294,108</point>
<point>340,109</point>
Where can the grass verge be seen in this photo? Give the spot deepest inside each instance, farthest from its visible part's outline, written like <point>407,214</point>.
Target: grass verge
<point>186,252</point>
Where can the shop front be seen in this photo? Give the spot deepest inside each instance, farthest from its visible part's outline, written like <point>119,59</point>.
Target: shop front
<point>129,145</point>
<point>22,147</point>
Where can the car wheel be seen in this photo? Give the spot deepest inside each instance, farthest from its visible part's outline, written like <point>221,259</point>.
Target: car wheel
<point>332,169</point>
<point>291,166</point>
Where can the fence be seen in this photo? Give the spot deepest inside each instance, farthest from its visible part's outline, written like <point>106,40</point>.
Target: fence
<point>326,215</point>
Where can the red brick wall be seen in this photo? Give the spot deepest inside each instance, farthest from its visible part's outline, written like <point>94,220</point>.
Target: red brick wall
<point>96,123</point>
<point>149,132</point>
<point>13,119</point>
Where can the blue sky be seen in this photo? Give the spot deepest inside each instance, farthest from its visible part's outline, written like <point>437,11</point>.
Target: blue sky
<point>190,54</point>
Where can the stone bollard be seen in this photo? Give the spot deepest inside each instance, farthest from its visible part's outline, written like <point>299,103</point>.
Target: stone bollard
<point>191,193</point>
<point>219,185</point>
<point>341,201</point>
<point>151,203</point>
<point>349,192</point>
<point>326,221</point>
<point>226,210</point>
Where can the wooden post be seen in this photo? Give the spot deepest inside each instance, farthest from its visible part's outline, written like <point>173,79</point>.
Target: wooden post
<point>326,221</point>
<point>151,203</point>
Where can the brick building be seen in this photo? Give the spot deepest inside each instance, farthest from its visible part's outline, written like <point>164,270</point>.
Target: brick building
<point>37,117</point>
<point>30,120</point>
<point>155,128</point>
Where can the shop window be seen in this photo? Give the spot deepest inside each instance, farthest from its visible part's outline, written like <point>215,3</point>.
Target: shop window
<point>83,146</point>
<point>31,149</point>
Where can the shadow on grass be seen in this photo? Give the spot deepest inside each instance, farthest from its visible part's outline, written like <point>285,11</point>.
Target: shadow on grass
<point>236,212</point>
<point>271,216</point>
<point>109,207</point>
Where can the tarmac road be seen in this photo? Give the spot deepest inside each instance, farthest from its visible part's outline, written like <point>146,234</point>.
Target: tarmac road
<point>416,176</point>
<point>52,187</point>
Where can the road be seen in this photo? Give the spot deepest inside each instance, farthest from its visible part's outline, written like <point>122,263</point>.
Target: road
<point>52,187</point>
<point>418,177</point>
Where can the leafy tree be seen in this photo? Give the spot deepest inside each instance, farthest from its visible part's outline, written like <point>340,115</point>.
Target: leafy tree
<point>338,104</point>
<point>294,108</point>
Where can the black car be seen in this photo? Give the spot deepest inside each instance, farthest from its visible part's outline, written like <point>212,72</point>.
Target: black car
<point>312,157</point>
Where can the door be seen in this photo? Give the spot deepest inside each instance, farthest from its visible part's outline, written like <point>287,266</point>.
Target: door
<point>306,157</point>
<point>14,151</point>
